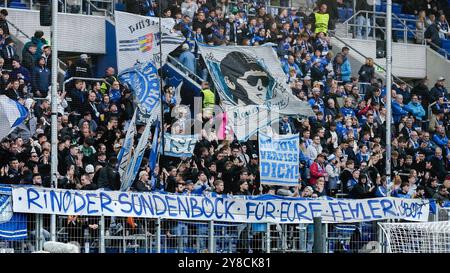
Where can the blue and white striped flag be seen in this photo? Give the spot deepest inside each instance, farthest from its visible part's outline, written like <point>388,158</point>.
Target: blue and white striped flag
<point>135,164</point>
<point>124,156</point>
<point>12,114</point>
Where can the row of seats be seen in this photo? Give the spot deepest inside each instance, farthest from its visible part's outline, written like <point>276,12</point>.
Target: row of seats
<point>445,46</point>
<point>16,4</point>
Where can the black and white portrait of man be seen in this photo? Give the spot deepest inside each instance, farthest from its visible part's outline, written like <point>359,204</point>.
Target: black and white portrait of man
<point>246,79</point>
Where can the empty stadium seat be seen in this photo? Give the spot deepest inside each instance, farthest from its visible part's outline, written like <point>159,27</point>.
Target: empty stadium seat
<point>120,7</point>
<point>445,44</point>
<point>17,5</point>
<point>396,8</point>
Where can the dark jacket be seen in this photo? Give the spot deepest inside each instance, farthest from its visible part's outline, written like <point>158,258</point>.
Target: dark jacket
<point>109,178</point>
<point>141,186</point>
<point>361,191</point>
<point>41,79</point>
<point>8,56</point>
<point>28,60</point>
<point>21,70</point>
<point>366,73</point>
<point>80,69</point>
<point>4,26</point>
<point>77,100</point>
<point>14,95</point>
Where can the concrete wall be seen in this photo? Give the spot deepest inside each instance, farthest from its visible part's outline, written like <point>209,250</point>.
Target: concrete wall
<point>77,33</point>
<point>407,61</point>
<point>437,67</point>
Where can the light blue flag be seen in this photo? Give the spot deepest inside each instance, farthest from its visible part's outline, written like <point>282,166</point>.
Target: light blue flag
<point>135,164</point>
<point>124,156</point>
<point>12,114</point>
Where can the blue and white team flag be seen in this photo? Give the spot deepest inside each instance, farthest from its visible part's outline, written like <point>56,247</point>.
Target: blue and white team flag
<point>139,38</point>
<point>143,81</point>
<point>135,164</point>
<point>124,156</point>
<point>154,153</point>
<point>13,226</point>
<point>279,159</point>
<point>12,114</point>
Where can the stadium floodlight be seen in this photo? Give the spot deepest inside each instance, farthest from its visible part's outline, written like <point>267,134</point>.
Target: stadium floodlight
<point>428,237</point>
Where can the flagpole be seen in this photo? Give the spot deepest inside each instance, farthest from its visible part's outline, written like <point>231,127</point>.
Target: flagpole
<point>54,109</point>
<point>160,78</point>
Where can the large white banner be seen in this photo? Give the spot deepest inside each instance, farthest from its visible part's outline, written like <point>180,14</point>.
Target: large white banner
<point>138,39</point>
<point>260,209</point>
<point>278,159</point>
<point>251,76</point>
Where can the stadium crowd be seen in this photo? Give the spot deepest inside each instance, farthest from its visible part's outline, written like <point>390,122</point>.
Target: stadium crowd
<point>342,146</point>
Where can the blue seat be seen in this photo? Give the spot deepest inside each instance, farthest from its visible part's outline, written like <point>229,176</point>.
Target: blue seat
<point>445,44</point>
<point>342,14</point>
<point>120,7</point>
<point>17,5</point>
<point>396,8</point>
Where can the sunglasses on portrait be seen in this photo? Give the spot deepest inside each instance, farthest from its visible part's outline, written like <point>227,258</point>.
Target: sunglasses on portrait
<point>253,80</point>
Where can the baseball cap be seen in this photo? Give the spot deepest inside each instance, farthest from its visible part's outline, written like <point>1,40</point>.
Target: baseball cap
<point>331,157</point>
<point>307,78</point>
<point>254,156</point>
<point>441,79</point>
<point>89,168</point>
<point>84,56</point>
<point>188,182</point>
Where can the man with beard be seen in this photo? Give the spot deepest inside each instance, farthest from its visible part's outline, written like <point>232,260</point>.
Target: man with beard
<point>245,78</point>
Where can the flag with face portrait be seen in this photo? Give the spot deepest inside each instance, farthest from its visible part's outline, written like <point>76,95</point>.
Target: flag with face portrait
<point>251,77</point>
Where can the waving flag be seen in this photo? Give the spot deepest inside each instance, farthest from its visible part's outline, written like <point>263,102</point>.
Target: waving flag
<point>12,114</point>
<point>139,38</point>
<point>124,156</point>
<point>135,164</point>
<point>143,81</point>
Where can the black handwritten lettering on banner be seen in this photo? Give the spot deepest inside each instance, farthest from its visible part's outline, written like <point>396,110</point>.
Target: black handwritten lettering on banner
<point>271,209</point>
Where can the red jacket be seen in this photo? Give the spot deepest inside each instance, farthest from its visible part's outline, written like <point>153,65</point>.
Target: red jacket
<point>316,171</point>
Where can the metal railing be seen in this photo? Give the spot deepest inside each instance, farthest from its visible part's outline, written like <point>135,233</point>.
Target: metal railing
<point>62,65</point>
<point>441,51</point>
<point>184,69</point>
<point>101,234</point>
<point>84,79</point>
<point>351,25</point>
<point>84,7</point>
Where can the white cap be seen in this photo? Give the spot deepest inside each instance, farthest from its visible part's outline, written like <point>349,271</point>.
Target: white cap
<point>89,168</point>
<point>441,79</point>
<point>185,47</point>
<point>84,56</point>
